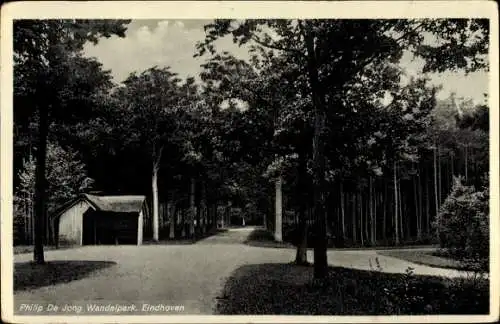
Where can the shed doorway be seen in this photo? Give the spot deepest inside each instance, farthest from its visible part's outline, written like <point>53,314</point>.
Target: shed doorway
<point>107,228</point>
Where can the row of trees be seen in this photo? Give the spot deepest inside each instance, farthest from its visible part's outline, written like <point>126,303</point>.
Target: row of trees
<point>322,82</point>
<point>319,105</point>
<point>153,134</point>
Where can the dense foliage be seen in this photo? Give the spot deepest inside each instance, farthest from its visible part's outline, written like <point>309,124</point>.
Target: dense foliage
<point>462,224</point>
<point>66,178</point>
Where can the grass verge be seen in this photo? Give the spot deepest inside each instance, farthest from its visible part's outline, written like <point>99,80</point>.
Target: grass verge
<point>286,289</point>
<point>264,238</point>
<point>428,258</point>
<point>20,249</point>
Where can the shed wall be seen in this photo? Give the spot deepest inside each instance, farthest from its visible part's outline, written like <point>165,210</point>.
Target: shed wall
<point>71,224</point>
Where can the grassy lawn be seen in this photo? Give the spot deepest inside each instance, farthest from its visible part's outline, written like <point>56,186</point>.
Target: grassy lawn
<point>428,258</point>
<point>20,249</point>
<point>28,275</point>
<point>286,289</point>
<point>264,238</point>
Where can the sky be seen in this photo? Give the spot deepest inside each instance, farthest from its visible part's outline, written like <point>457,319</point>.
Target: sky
<point>172,43</point>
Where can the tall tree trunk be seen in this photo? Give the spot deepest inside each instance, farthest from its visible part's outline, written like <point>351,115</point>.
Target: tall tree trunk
<point>320,246</point>
<point>301,255</point>
<point>373,210</point>
<point>370,210</point>
<point>439,176</point>
<point>466,162</point>
<point>342,210</point>
<point>192,206</point>
<point>436,193</point>
<point>400,204</point>
<point>353,210</point>
<point>427,203</point>
<point>385,197</point>
<point>203,208</point>
<point>278,237</point>
<point>171,217</point>
<point>396,227</point>
<point>452,163</point>
<point>183,223</point>
<point>420,203</point>
<point>367,218</point>
<point>154,186</point>
<point>40,184</point>
<point>376,198</point>
<point>361,227</point>
<point>417,208</point>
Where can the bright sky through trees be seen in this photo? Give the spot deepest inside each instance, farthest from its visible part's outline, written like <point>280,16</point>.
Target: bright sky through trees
<point>168,43</point>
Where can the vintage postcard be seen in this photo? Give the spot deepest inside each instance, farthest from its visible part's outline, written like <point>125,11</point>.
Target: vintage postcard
<point>249,162</point>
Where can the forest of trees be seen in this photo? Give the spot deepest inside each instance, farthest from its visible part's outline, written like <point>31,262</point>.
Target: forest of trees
<point>364,158</point>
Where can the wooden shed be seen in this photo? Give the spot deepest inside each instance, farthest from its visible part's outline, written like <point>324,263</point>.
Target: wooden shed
<point>93,220</point>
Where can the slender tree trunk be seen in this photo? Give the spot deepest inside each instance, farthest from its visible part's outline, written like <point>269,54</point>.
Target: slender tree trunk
<point>342,210</point>
<point>360,203</point>
<point>420,203</point>
<point>154,184</point>
<point>278,212</point>
<point>466,162</point>
<point>353,210</point>
<point>400,204</point>
<point>368,223</point>
<point>183,223</point>
<point>171,216</point>
<point>371,206</point>
<point>198,215</point>
<point>203,208</point>
<point>440,178</point>
<point>192,206</point>
<point>40,185</point>
<point>427,204</point>
<point>376,198</point>
<point>396,227</point>
<point>436,193</point>
<point>417,209</point>
<point>385,197</point>
<point>301,255</point>
<point>452,163</point>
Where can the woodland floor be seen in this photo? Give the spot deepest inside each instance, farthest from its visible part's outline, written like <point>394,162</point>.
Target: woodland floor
<point>207,277</point>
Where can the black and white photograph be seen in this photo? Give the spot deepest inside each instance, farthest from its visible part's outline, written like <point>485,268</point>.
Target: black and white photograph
<point>250,164</point>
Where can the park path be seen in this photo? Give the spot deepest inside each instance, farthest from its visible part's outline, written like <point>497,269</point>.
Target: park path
<point>187,275</point>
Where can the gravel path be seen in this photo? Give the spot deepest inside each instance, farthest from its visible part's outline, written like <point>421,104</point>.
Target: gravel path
<point>188,275</point>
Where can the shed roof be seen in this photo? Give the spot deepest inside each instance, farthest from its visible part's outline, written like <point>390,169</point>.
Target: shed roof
<point>117,204</point>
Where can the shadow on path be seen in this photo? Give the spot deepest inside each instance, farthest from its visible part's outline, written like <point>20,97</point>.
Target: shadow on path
<point>286,289</point>
<point>28,275</point>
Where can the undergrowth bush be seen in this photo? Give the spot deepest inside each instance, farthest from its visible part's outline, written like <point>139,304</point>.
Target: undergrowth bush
<point>413,294</point>
<point>462,225</point>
